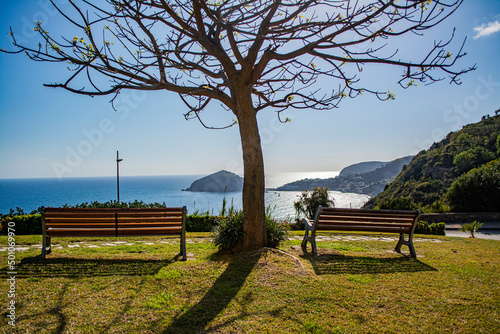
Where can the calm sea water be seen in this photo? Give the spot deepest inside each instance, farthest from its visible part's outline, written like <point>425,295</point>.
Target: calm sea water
<point>30,194</point>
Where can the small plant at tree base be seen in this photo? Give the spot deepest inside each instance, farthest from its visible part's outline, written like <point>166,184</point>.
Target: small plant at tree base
<point>228,232</point>
<point>471,228</point>
<point>310,201</point>
<point>277,230</point>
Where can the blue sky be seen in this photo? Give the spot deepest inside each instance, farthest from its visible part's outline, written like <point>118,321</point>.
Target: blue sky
<point>46,132</point>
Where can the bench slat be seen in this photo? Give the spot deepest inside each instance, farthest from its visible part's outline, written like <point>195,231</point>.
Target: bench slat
<point>88,232</point>
<point>90,210</point>
<point>110,225</point>
<point>149,231</point>
<point>333,223</point>
<point>96,215</point>
<point>370,211</point>
<point>370,218</point>
<point>364,228</point>
<point>368,214</point>
<point>81,232</point>
<point>113,219</point>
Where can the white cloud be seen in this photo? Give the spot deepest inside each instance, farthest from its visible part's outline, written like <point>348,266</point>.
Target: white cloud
<point>487,29</point>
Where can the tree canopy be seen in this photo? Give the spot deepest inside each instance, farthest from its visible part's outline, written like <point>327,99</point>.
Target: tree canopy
<point>202,49</point>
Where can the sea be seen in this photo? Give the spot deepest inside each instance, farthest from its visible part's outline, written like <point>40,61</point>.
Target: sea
<point>30,194</point>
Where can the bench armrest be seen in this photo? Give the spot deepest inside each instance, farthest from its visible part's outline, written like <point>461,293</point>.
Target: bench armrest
<point>307,224</point>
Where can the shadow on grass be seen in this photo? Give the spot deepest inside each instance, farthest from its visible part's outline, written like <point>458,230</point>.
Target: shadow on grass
<point>71,267</point>
<point>217,298</point>
<point>335,264</point>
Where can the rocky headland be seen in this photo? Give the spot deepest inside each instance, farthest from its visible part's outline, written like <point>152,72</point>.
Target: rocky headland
<point>221,181</point>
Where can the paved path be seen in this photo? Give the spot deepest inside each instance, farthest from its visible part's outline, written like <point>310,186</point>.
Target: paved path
<point>482,234</point>
<point>97,244</point>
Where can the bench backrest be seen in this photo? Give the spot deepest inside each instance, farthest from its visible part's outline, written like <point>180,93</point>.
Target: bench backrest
<point>75,222</point>
<point>396,221</point>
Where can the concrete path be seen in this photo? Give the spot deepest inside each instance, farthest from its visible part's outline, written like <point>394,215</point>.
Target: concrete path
<point>489,230</point>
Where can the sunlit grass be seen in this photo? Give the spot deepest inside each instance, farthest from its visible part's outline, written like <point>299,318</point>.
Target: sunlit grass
<point>350,287</point>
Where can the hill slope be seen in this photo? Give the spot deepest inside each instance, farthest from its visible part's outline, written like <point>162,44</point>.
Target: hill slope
<point>362,167</point>
<point>426,179</point>
<point>369,183</point>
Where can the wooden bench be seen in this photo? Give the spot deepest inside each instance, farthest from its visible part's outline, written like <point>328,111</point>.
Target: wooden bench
<point>382,221</point>
<point>112,222</point>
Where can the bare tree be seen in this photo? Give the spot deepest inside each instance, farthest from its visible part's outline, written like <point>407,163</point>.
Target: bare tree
<point>248,56</point>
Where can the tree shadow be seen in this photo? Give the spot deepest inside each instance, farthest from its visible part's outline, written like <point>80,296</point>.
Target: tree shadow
<point>336,264</point>
<point>217,298</point>
<point>74,268</point>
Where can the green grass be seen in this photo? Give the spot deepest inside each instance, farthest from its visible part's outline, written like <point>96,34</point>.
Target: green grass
<point>350,287</point>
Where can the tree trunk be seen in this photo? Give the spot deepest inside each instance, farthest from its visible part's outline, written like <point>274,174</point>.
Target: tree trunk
<point>254,223</point>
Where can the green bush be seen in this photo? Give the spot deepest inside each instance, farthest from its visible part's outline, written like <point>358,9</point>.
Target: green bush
<point>310,201</point>
<point>200,223</point>
<point>498,145</point>
<point>423,227</point>
<point>478,190</point>
<point>400,203</point>
<point>228,232</point>
<point>24,224</point>
<point>277,231</point>
<point>116,204</point>
<point>469,159</point>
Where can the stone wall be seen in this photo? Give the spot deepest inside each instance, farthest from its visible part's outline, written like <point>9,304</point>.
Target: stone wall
<point>461,218</point>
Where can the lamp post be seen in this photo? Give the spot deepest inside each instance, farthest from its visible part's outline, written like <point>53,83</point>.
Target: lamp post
<point>118,160</point>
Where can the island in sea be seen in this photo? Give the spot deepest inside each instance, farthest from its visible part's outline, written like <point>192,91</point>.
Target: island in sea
<point>222,181</point>
<point>367,178</point>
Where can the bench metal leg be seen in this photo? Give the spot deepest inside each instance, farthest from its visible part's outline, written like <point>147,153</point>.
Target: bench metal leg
<point>304,241</point>
<point>408,243</point>
<point>46,246</point>
<point>183,250</point>
<point>311,238</point>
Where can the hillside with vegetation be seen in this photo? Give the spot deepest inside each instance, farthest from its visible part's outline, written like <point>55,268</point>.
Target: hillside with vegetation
<point>462,168</point>
<point>368,178</point>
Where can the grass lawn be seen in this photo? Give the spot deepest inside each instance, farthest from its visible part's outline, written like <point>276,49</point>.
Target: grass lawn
<point>356,286</point>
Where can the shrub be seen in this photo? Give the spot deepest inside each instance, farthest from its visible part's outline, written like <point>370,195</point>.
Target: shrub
<point>200,223</point>
<point>228,232</point>
<point>298,225</point>
<point>116,204</point>
<point>24,224</point>
<point>474,157</point>
<point>423,227</point>
<point>498,145</point>
<point>277,231</point>
<point>310,201</point>
<point>478,190</point>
